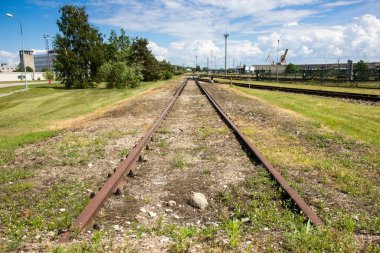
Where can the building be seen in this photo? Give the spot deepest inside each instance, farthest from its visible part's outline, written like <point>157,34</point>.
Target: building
<point>44,61</point>
<point>4,68</point>
<point>27,56</point>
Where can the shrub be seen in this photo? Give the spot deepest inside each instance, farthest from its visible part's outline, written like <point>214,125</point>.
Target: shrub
<point>120,75</point>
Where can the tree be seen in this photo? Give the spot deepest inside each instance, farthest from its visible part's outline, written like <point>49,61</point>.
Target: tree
<point>142,56</point>
<point>118,47</point>
<point>291,68</point>
<point>28,69</point>
<point>166,70</point>
<point>362,66</point>
<point>79,47</point>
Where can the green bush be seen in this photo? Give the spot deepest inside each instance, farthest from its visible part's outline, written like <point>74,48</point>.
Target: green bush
<point>120,75</point>
<point>48,75</point>
<point>166,75</point>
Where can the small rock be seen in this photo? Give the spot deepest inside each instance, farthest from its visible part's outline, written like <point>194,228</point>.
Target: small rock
<point>90,165</point>
<point>117,227</point>
<point>171,203</point>
<point>159,205</point>
<point>266,229</point>
<point>245,220</point>
<point>143,210</point>
<point>198,200</point>
<point>62,209</point>
<point>176,217</point>
<point>165,239</point>
<point>152,214</point>
<point>168,211</point>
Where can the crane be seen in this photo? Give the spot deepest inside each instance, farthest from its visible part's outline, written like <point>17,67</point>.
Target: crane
<point>283,58</point>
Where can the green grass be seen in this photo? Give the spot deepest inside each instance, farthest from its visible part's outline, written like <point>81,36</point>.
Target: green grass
<point>19,81</point>
<point>179,163</point>
<point>26,214</point>
<point>5,90</point>
<point>205,132</point>
<point>27,116</point>
<point>359,121</point>
<point>375,91</point>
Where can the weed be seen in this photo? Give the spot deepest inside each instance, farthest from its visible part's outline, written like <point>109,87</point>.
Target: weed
<point>123,153</point>
<point>164,130</point>
<point>233,230</point>
<point>205,132</point>
<point>309,239</point>
<point>162,144</point>
<point>179,163</point>
<point>12,175</point>
<point>181,237</point>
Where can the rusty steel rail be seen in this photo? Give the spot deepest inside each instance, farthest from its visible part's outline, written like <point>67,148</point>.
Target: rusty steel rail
<point>252,150</point>
<point>116,179</point>
<point>323,93</point>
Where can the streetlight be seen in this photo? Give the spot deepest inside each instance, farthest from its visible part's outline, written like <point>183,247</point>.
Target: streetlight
<point>278,48</point>
<point>22,46</point>
<point>225,51</point>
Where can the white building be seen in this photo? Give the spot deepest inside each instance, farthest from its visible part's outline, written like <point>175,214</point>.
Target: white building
<point>4,68</point>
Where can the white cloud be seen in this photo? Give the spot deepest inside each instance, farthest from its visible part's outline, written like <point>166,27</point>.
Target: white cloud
<point>306,43</point>
<point>10,58</point>
<point>353,41</point>
<point>340,3</point>
<point>160,53</point>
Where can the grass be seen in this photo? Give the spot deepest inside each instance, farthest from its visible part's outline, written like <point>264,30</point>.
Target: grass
<point>375,91</point>
<point>28,116</point>
<point>5,90</point>
<point>26,214</point>
<point>359,121</point>
<point>205,132</point>
<point>179,163</point>
<point>19,81</point>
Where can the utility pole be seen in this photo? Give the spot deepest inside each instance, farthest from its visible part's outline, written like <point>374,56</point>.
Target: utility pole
<point>196,62</point>
<point>46,37</point>
<point>225,52</point>
<point>278,48</point>
<point>207,65</point>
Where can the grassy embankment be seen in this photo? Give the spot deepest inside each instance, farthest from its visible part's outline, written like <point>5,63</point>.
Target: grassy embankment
<point>27,116</point>
<point>373,90</point>
<point>359,121</point>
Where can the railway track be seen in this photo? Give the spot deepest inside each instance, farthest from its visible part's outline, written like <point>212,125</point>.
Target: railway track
<point>116,181</point>
<point>346,95</point>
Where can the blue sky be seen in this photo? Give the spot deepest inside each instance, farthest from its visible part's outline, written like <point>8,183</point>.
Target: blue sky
<point>315,31</point>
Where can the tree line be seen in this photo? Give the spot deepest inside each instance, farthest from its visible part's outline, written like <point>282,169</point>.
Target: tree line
<point>84,59</point>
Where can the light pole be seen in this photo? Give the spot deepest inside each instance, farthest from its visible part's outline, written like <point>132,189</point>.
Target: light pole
<point>278,48</point>
<point>22,47</point>
<point>225,52</point>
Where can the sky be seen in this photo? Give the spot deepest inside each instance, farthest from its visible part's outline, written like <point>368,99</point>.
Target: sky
<point>188,31</point>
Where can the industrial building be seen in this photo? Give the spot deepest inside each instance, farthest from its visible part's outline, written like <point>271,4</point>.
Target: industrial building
<point>27,56</point>
<point>44,61</point>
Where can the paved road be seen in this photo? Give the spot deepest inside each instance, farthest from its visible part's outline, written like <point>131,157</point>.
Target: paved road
<point>3,85</point>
